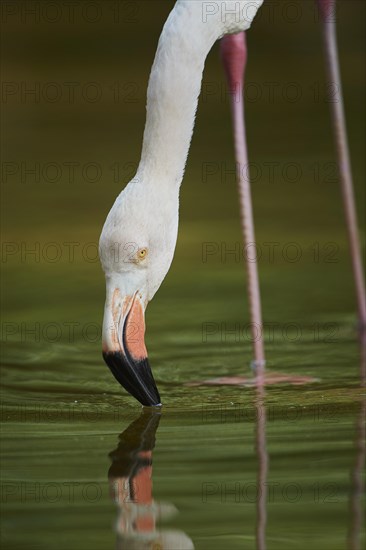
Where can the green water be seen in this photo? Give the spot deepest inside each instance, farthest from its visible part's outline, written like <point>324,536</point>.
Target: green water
<point>62,410</point>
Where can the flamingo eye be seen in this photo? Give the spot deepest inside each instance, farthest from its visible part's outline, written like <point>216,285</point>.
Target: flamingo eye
<point>142,253</point>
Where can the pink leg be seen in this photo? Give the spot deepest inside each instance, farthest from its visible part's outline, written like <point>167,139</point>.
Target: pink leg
<point>327,11</point>
<point>234,56</point>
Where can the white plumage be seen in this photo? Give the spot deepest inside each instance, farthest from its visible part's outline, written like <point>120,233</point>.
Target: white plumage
<point>146,212</point>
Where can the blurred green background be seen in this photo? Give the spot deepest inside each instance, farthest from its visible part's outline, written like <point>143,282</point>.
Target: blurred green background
<point>85,122</point>
<point>80,130</point>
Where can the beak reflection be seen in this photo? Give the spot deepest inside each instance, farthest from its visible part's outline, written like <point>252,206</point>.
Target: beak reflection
<point>131,488</point>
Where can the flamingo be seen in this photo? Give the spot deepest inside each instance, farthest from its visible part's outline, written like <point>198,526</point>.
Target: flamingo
<point>138,239</point>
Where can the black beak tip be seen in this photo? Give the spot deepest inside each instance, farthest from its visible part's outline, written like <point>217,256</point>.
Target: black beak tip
<point>135,376</point>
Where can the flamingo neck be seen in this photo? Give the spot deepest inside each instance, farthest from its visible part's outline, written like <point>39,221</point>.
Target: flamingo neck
<point>175,82</point>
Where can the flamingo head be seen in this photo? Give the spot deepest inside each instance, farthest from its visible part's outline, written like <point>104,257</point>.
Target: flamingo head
<point>136,248</point>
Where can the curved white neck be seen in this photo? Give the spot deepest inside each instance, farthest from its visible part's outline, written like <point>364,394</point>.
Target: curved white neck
<point>175,82</point>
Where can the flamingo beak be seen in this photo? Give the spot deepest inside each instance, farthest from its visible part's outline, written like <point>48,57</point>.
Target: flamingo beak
<point>124,348</point>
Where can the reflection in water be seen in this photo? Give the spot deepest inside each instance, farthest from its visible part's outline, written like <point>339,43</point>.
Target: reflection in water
<point>357,482</point>
<point>262,469</point>
<point>130,480</point>
<point>357,489</point>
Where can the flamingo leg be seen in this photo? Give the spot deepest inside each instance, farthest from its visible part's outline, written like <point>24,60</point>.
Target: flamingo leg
<point>327,12</point>
<point>234,54</point>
